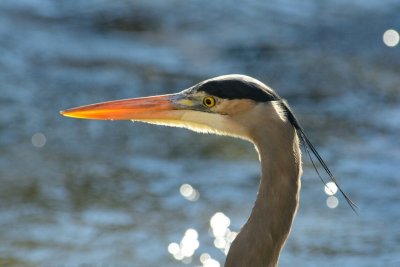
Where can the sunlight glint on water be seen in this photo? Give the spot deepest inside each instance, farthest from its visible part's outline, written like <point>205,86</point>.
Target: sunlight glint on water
<point>332,202</point>
<point>188,192</point>
<point>186,248</point>
<point>223,236</point>
<point>391,38</point>
<point>39,140</point>
<point>331,189</point>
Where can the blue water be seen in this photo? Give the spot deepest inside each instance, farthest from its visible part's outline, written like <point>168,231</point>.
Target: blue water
<point>89,193</point>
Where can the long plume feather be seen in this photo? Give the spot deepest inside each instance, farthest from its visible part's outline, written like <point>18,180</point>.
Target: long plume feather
<point>309,148</point>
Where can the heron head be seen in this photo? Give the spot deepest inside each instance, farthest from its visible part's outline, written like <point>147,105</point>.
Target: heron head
<point>234,105</point>
<point>227,105</point>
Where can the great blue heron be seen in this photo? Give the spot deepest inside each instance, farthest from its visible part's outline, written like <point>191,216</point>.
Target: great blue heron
<point>243,107</point>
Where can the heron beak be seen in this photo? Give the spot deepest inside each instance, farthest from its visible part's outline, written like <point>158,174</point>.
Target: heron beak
<point>161,108</point>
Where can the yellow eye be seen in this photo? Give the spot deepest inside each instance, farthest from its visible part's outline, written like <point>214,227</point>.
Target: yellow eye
<point>209,101</point>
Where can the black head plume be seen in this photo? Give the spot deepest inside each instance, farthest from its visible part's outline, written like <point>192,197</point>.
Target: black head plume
<point>238,87</point>
<point>309,148</point>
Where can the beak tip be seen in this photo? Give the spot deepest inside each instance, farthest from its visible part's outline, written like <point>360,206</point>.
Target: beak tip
<point>65,113</point>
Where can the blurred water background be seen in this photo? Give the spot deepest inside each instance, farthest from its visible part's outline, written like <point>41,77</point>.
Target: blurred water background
<point>95,193</point>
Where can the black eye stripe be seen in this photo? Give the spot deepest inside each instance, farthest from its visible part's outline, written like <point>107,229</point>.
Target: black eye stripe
<point>236,89</point>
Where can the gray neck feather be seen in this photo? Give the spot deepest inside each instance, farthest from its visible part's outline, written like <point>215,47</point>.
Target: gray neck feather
<point>262,237</point>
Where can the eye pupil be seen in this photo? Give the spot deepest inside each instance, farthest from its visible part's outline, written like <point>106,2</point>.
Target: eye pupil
<point>209,101</point>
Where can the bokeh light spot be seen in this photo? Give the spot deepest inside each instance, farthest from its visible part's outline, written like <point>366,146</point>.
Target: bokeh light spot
<point>187,260</point>
<point>219,224</point>
<point>186,248</point>
<point>223,236</point>
<point>330,188</point>
<point>211,263</point>
<point>173,248</point>
<point>38,140</point>
<point>204,257</point>
<point>220,242</point>
<point>332,202</point>
<point>231,236</point>
<point>191,233</point>
<point>179,256</point>
<point>188,192</point>
<point>391,38</point>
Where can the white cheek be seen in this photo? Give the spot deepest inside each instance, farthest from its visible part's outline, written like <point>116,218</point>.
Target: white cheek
<point>202,122</point>
<point>192,120</point>
<point>213,123</point>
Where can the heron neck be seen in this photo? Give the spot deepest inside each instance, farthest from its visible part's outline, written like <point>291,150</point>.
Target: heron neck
<point>265,232</point>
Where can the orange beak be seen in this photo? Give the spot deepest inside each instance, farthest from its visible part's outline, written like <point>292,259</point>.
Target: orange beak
<point>162,107</point>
